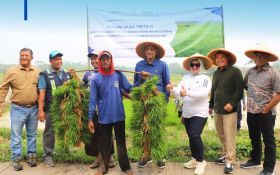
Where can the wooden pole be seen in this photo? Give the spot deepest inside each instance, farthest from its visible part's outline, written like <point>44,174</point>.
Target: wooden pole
<point>128,71</point>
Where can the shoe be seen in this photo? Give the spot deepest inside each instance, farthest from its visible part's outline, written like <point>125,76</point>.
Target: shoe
<point>228,168</point>
<point>265,172</point>
<point>112,162</point>
<point>95,164</point>
<point>200,166</point>
<point>190,164</point>
<point>142,163</point>
<point>250,164</point>
<point>31,160</point>
<point>161,164</point>
<point>16,165</point>
<point>48,161</point>
<point>221,160</point>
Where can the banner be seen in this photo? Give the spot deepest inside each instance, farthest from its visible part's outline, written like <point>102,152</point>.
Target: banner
<point>180,33</point>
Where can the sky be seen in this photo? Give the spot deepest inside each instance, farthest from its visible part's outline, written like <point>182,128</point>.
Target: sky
<point>62,25</point>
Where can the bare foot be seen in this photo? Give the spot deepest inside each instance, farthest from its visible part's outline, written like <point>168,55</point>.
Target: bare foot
<point>129,172</point>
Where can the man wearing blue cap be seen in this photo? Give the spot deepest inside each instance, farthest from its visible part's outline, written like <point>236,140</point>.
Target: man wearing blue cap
<point>49,80</point>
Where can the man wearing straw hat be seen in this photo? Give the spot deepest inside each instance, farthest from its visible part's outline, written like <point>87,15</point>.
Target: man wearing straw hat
<point>226,92</point>
<point>262,83</point>
<point>152,52</point>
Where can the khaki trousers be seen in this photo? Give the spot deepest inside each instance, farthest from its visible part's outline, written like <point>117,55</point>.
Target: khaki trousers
<point>226,130</point>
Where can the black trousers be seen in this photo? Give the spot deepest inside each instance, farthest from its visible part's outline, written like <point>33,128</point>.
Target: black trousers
<point>106,144</point>
<point>92,148</point>
<point>262,124</point>
<point>194,127</point>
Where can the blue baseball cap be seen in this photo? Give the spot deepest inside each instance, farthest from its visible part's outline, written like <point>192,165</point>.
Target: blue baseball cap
<point>55,53</point>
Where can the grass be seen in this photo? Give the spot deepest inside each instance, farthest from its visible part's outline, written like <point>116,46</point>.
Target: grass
<point>176,139</point>
<point>194,37</point>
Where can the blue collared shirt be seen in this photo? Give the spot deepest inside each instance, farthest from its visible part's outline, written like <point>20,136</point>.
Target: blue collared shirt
<point>158,68</point>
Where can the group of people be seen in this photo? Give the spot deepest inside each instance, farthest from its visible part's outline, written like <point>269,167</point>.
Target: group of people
<point>32,91</point>
<point>226,90</point>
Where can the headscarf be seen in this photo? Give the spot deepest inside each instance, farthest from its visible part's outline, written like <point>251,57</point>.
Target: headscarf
<point>100,69</point>
<point>201,68</point>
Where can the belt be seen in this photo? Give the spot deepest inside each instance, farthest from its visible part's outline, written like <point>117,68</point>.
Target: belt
<point>26,106</point>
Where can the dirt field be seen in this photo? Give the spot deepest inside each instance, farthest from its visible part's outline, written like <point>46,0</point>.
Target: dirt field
<point>81,169</point>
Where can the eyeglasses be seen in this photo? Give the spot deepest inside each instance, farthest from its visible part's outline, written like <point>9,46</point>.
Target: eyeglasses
<point>195,64</point>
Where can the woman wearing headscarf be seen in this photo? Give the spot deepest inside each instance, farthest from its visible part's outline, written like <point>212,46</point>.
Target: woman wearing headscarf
<point>194,89</point>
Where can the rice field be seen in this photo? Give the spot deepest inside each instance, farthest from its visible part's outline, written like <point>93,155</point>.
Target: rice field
<point>194,37</point>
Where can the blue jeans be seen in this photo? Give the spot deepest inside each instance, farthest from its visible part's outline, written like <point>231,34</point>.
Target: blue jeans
<point>19,117</point>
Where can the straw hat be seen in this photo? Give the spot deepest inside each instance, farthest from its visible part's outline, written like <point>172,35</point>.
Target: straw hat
<point>206,61</point>
<point>261,47</point>
<point>231,57</point>
<point>140,49</point>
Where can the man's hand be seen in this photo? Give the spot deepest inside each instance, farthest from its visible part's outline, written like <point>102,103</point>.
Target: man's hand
<point>41,116</point>
<point>71,70</point>
<point>183,91</point>
<point>91,126</point>
<point>169,87</point>
<point>265,109</point>
<point>144,75</point>
<point>210,111</point>
<point>182,121</point>
<point>228,107</point>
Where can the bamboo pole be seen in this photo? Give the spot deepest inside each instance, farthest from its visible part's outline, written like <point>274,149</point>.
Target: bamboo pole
<point>128,71</point>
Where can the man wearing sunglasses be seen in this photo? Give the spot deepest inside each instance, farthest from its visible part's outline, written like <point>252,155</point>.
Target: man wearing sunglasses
<point>226,93</point>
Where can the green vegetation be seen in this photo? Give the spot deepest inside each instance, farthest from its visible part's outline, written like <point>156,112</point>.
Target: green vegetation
<point>69,111</point>
<point>194,37</point>
<point>147,122</point>
<point>176,139</point>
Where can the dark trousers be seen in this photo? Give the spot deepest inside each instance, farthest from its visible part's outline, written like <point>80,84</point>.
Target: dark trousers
<point>92,148</point>
<point>239,114</point>
<point>194,127</point>
<point>262,124</point>
<point>106,144</point>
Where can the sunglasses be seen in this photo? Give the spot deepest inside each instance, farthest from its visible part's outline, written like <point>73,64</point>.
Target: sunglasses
<point>195,64</point>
